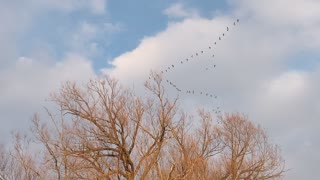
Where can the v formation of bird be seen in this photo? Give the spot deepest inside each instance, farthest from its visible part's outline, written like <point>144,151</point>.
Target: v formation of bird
<point>171,67</point>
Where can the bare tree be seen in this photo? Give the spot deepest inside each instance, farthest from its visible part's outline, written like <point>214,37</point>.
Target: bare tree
<point>104,131</point>
<point>247,152</point>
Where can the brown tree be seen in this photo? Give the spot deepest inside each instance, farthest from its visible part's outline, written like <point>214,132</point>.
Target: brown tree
<point>104,131</point>
<point>247,152</point>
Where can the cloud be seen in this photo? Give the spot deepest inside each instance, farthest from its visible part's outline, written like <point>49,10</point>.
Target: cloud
<point>178,10</point>
<point>253,71</point>
<point>98,6</point>
<point>25,86</point>
<point>88,37</point>
<point>95,6</point>
<point>28,77</point>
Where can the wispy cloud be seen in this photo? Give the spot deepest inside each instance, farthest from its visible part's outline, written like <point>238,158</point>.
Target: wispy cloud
<point>178,10</point>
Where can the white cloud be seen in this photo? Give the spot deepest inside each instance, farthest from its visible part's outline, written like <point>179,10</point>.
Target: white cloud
<point>88,36</point>
<point>98,6</point>
<point>252,73</point>
<point>177,10</point>
<point>287,86</point>
<point>25,87</point>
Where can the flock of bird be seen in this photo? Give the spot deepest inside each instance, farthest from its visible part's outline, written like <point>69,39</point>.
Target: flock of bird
<point>171,67</point>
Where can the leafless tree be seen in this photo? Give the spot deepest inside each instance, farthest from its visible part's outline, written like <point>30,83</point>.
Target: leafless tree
<point>247,152</point>
<point>104,131</point>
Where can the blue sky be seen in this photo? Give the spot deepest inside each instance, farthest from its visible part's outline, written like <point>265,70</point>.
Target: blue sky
<point>268,66</point>
<point>54,28</point>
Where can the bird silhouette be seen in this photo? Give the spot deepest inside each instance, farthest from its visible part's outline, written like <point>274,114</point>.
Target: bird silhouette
<point>208,67</point>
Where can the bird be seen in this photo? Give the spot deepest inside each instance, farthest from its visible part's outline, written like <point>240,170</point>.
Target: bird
<point>237,20</point>
<point>168,67</point>
<point>162,72</point>
<point>219,38</point>
<point>172,65</point>
<point>212,55</point>
<point>234,23</point>
<point>181,62</point>
<point>214,65</point>
<point>209,47</point>
<point>222,34</point>
<point>196,54</point>
<point>201,51</point>
<point>215,42</point>
<point>187,59</point>
<point>227,28</point>
<point>191,56</point>
<point>166,71</point>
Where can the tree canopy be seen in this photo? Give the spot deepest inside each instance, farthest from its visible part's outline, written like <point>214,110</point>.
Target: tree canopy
<point>105,131</point>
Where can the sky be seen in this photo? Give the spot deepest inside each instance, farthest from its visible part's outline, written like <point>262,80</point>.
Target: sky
<point>267,65</point>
